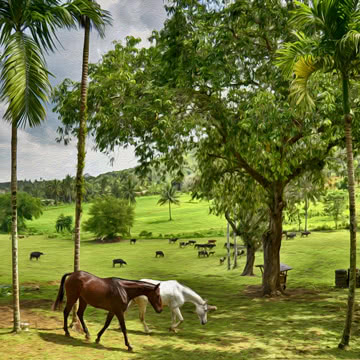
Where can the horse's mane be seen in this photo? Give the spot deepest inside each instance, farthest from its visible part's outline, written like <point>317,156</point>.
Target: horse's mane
<point>147,284</point>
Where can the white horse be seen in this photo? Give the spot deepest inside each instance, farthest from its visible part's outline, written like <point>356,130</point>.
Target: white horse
<point>174,295</point>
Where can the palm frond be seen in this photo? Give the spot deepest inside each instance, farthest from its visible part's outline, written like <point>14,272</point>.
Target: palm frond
<point>24,81</point>
<point>291,53</point>
<point>99,17</point>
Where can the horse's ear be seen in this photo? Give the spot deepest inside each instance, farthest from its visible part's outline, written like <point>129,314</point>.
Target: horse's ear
<point>156,286</point>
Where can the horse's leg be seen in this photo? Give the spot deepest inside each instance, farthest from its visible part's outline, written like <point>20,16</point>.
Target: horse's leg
<point>69,304</point>
<point>80,314</point>
<point>120,316</point>
<point>175,312</point>
<point>109,317</point>
<point>142,302</point>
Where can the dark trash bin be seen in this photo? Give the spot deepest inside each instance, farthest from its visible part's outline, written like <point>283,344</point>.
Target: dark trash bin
<point>341,278</point>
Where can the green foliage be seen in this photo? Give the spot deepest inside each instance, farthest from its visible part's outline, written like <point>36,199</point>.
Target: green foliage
<point>145,233</point>
<point>335,204</point>
<point>28,208</point>
<point>64,223</point>
<point>109,216</point>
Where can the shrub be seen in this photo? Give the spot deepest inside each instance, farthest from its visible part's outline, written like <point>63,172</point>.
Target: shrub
<point>145,233</point>
<point>64,223</point>
<point>109,217</point>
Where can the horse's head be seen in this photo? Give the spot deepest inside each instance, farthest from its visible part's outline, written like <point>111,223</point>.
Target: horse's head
<point>202,311</point>
<point>155,299</point>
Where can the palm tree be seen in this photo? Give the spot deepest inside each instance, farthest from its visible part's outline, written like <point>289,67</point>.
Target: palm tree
<point>168,195</point>
<point>331,46</point>
<point>25,85</point>
<point>99,20</point>
<point>128,191</point>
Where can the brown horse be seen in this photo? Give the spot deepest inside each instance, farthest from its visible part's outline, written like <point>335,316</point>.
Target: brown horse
<point>112,294</point>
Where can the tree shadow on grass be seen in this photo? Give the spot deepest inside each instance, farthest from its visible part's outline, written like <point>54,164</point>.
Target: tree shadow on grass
<point>64,340</point>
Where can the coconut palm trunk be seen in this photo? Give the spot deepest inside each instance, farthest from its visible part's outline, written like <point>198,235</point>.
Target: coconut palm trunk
<point>79,185</point>
<point>351,187</point>
<point>14,235</point>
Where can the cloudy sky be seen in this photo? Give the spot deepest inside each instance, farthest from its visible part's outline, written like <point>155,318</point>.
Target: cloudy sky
<point>39,156</point>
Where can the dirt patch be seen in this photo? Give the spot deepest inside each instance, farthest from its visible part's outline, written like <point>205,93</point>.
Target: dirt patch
<point>255,291</point>
<point>30,312</point>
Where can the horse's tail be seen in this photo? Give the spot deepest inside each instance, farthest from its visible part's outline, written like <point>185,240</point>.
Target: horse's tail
<point>56,305</point>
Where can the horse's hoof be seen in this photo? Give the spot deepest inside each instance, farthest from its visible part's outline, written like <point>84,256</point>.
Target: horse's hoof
<point>97,341</point>
<point>173,330</point>
<point>130,348</point>
<point>67,334</point>
<point>87,337</point>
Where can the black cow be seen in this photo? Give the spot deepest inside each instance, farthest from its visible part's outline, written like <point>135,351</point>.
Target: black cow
<point>203,253</point>
<point>192,242</point>
<point>222,259</point>
<point>36,255</point>
<point>305,233</point>
<point>290,235</point>
<point>182,244</point>
<point>159,253</point>
<point>173,240</point>
<point>231,245</point>
<point>119,261</point>
<point>132,241</point>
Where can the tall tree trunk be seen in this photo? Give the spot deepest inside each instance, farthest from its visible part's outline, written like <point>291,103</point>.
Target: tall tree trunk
<point>14,235</point>
<point>351,187</point>
<point>170,211</point>
<point>250,260</point>
<point>79,184</point>
<point>272,244</point>
<point>306,212</point>
<point>228,246</point>
<point>235,265</point>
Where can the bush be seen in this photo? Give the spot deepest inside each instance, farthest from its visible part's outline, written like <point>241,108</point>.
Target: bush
<point>64,223</point>
<point>28,208</point>
<point>145,233</point>
<point>109,217</point>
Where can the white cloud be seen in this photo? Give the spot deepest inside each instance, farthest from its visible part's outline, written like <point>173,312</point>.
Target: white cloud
<point>49,161</point>
<point>39,156</point>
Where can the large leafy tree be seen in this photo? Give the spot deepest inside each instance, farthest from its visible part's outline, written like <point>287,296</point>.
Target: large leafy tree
<point>241,201</point>
<point>210,84</point>
<point>329,43</point>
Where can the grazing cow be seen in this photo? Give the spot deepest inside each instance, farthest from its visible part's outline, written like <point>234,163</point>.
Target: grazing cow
<point>119,261</point>
<point>284,233</point>
<point>290,235</point>
<point>222,259</point>
<point>305,233</point>
<point>192,242</point>
<point>211,241</point>
<point>132,241</point>
<point>200,246</point>
<point>182,244</point>
<point>36,255</point>
<point>211,253</point>
<point>173,240</point>
<point>239,252</point>
<point>203,253</point>
<point>21,236</point>
<point>159,253</point>
<point>231,245</point>
<point>210,246</point>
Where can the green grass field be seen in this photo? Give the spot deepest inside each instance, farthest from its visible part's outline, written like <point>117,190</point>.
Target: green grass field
<point>306,324</point>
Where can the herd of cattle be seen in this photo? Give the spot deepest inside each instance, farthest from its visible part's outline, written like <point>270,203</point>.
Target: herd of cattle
<point>204,250</point>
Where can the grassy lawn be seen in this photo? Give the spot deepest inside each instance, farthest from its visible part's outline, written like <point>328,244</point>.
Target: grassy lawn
<point>306,324</point>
